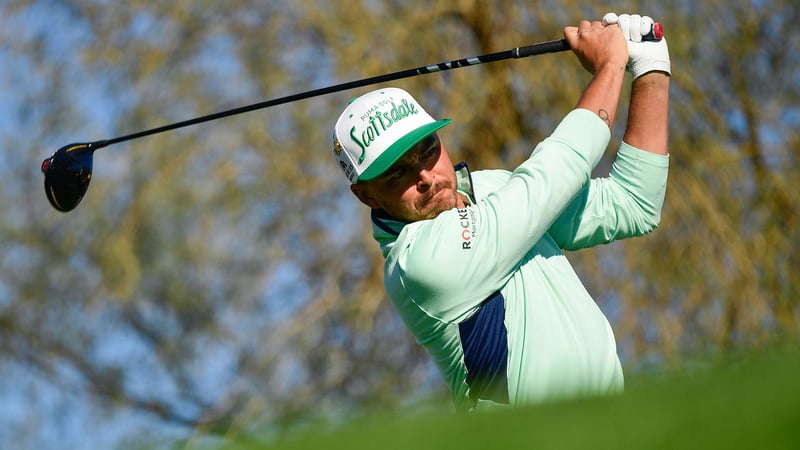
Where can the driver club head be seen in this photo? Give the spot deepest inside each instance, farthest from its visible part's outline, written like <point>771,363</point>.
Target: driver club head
<point>67,175</point>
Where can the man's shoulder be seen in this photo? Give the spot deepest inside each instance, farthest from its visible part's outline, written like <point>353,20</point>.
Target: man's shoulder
<point>488,180</point>
<point>490,173</point>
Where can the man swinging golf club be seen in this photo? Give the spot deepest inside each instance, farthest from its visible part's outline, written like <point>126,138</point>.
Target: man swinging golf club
<point>474,262</point>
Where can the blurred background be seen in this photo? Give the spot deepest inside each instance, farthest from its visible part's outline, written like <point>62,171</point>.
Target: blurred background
<point>221,280</point>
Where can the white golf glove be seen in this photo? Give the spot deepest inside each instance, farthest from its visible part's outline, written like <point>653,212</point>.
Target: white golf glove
<point>643,56</point>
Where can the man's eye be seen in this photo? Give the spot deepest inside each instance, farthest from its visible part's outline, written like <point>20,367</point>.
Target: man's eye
<point>395,175</point>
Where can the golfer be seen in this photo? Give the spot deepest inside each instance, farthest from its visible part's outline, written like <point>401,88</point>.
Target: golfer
<point>474,262</point>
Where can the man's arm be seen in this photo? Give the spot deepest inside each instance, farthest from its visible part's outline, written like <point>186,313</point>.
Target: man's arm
<point>606,62</point>
<point>648,113</point>
<point>650,67</point>
<point>628,203</point>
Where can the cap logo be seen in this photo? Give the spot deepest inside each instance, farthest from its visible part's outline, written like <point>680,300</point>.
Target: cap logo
<point>379,122</point>
<point>337,147</point>
<point>376,129</point>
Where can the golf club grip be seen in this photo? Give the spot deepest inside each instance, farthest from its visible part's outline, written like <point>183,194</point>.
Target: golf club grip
<point>561,45</point>
<point>655,35</point>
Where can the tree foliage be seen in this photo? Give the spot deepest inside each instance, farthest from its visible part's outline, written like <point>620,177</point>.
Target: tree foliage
<point>222,276</point>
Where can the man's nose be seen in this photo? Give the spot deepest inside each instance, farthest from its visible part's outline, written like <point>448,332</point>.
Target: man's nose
<point>425,179</point>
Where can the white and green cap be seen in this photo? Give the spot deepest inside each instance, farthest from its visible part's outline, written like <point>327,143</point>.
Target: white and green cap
<point>376,129</point>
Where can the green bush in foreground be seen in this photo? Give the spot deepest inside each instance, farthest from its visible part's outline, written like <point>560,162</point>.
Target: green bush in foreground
<point>748,403</point>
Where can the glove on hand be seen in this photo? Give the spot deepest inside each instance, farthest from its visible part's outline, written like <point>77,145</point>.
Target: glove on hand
<point>643,56</point>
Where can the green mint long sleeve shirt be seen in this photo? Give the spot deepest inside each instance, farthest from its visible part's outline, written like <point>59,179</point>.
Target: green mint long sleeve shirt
<point>509,240</point>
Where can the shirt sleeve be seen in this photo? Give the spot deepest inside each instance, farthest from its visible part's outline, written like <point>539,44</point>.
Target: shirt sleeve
<point>625,204</point>
<point>451,263</point>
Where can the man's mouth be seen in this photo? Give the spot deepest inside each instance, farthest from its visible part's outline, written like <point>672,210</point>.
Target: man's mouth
<point>431,195</point>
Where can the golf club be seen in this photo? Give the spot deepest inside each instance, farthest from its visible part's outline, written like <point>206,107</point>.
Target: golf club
<point>68,171</point>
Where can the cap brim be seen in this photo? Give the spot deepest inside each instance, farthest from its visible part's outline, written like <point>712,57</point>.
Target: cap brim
<point>399,148</point>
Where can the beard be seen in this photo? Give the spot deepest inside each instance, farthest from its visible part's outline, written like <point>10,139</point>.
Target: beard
<point>441,197</point>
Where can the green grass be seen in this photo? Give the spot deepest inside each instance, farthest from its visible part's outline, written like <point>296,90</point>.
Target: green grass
<point>746,403</point>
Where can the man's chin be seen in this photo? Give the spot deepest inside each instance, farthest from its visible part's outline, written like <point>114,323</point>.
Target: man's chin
<point>432,210</point>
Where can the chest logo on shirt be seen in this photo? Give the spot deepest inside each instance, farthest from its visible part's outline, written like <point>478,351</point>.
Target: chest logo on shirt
<point>466,219</point>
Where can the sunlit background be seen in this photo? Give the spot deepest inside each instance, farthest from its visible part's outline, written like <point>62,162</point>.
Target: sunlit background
<point>221,280</point>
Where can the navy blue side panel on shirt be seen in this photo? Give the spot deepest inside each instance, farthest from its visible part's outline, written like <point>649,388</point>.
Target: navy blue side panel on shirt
<point>485,343</point>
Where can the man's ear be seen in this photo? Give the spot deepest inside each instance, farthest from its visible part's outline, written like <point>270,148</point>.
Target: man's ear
<point>360,191</point>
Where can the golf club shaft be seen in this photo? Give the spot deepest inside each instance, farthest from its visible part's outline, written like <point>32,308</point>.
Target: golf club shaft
<point>518,52</point>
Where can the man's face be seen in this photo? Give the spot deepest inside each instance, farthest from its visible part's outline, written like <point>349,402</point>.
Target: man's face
<point>420,185</point>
